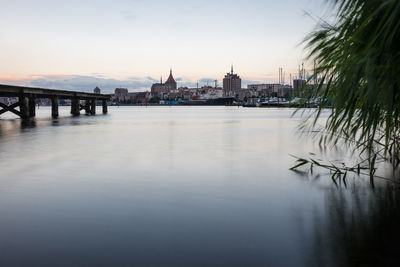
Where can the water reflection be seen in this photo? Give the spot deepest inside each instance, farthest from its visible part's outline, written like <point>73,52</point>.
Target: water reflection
<point>9,126</point>
<point>359,227</point>
<point>177,186</point>
<point>28,123</point>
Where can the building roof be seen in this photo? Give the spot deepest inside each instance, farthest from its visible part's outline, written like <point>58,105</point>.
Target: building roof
<point>170,78</point>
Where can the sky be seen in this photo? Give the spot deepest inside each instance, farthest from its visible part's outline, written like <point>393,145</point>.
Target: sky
<point>78,45</point>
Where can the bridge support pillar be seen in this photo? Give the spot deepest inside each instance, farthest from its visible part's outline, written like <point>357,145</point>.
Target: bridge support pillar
<point>104,102</point>
<point>32,107</point>
<point>75,107</point>
<point>24,107</point>
<point>87,107</point>
<point>54,107</point>
<point>93,107</point>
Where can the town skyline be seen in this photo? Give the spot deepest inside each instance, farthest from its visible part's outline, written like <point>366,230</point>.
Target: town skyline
<point>107,85</point>
<point>131,43</point>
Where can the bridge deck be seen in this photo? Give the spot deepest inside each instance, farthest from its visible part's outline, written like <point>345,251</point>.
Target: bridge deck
<point>15,91</point>
<point>27,102</point>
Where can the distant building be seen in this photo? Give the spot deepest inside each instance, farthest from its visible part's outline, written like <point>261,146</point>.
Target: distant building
<point>208,92</point>
<point>159,90</point>
<point>9,100</point>
<point>162,90</point>
<point>4,100</point>
<point>186,93</point>
<point>171,83</point>
<point>121,94</point>
<point>286,91</point>
<point>265,89</point>
<point>231,84</point>
<point>96,90</point>
<point>142,97</point>
<point>270,89</point>
<point>298,83</point>
<point>132,96</point>
<point>248,93</point>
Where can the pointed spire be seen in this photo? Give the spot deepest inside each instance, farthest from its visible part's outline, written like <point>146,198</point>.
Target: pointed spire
<point>161,79</point>
<point>232,69</point>
<point>170,79</point>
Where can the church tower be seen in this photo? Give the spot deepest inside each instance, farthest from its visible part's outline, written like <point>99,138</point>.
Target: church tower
<point>171,83</point>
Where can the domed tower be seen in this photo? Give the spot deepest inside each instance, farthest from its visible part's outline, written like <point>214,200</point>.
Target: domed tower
<point>171,83</point>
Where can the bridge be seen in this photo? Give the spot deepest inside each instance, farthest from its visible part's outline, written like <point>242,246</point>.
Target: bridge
<point>27,100</point>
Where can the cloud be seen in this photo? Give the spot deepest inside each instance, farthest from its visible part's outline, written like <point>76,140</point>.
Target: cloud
<point>107,85</point>
<point>205,80</point>
<point>8,79</point>
<point>152,79</point>
<point>80,83</point>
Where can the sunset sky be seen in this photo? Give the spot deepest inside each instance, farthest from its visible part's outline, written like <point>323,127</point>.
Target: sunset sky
<point>131,43</point>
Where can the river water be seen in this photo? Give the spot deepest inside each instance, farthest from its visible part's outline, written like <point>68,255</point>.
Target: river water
<point>164,186</point>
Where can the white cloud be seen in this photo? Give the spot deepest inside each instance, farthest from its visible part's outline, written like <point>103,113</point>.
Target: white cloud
<point>107,85</point>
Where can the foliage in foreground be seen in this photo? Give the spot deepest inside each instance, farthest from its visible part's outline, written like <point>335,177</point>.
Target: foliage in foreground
<point>357,63</point>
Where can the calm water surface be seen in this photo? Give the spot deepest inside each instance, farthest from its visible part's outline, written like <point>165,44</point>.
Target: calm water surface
<point>160,186</point>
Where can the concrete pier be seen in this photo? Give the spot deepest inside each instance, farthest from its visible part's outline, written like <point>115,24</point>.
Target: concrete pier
<point>87,106</point>
<point>54,107</point>
<point>32,107</point>
<point>75,108</point>
<point>24,107</point>
<point>27,100</point>
<point>93,106</point>
<point>105,108</point>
